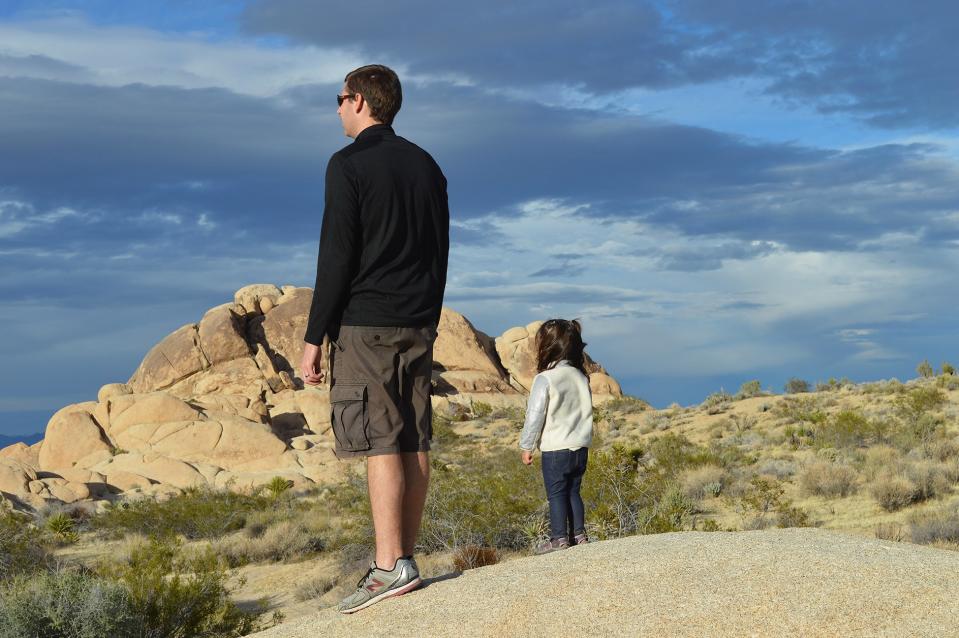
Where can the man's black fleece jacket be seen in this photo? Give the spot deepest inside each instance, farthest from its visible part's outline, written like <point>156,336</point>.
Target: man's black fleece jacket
<point>384,242</point>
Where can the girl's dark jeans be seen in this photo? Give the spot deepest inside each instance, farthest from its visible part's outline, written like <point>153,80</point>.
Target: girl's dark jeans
<point>563,474</point>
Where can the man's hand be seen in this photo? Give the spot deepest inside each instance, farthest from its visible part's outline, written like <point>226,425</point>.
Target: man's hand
<point>527,457</point>
<point>311,365</point>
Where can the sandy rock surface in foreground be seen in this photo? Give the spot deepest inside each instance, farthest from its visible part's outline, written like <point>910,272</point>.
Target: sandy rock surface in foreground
<point>798,582</point>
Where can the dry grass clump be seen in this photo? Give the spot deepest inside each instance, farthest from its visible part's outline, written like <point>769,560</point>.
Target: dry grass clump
<point>314,588</point>
<point>780,468</point>
<point>704,482</point>
<point>935,526</point>
<point>890,532</point>
<point>877,460</point>
<point>472,556</point>
<point>824,478</point>
<point>283,541</point>
<point>910,483</point>
<point>893,492</point>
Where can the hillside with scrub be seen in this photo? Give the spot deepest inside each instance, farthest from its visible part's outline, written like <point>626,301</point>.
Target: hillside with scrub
<point>873,460</point>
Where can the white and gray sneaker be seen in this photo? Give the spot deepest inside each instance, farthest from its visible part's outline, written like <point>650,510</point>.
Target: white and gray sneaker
<point>378,584</point>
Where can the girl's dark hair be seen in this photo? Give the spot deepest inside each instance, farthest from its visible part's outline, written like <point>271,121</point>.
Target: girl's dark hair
<point>559,339</point>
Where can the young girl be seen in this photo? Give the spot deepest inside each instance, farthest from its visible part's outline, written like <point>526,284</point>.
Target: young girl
<point>559,420</point>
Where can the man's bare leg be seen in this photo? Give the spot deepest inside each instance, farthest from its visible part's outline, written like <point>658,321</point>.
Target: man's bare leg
<point>387,485</point>
<point>416,471</point>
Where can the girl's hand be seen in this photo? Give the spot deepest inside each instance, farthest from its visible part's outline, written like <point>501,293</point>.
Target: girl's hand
<point>527,457</point>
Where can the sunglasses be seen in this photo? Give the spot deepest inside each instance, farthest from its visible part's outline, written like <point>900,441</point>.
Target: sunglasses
<point>342,98</point>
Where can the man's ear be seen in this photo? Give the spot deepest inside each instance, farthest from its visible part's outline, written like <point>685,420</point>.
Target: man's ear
<point>358,102</point>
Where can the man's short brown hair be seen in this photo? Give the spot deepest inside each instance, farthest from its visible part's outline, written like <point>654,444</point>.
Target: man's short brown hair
<point>380,87</point>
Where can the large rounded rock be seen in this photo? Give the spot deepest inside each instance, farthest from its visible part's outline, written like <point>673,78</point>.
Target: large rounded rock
<point>314,404</point>
<point>460,346</point>
<point>225,443</point>
<point>600,383</point>
<point>282,330</point>
<point>250,297</point>
<point>516,352</point>
<point>113,390</point>
<point>69,438</point>
<point>155,407</point>
<point>222,335</point>
<point>237,377</point>
<point>176,357</point>
<point>159,469</point>
<point>26,454</point>
<point>15,477</point>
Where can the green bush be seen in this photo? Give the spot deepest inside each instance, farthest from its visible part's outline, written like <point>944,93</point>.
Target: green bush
<point>848,429</point>
<point>763,502</point>
<point>801,410</point>
<point>24,548</point>
<point>491,501</point>
<point>924,369</point>
<point>67,604</point>
<point>173,594</point>
<point>750,389</point>
<point>796,386</point>
<point>199,512</point>
<point>948,369</point>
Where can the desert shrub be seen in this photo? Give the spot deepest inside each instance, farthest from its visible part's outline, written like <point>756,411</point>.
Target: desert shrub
<point>828,479</point>
<point>199,512</point>
<point>286,540</point>
<point>762,502</point>
<point>176,594</point>
<point>655,421</point>
<point>796,386</point>
<point>626,405</point>
<point>848,429</point>
<point>67,604</point>
<point>443,433</point>
<point>940,525</point>
<point>948,369</point>
<point>472,556</point>
<point>671,512</point>
<point>800,410</point>
<point>890,532</point>
<point>750,389</point>
<point>277,487</point>
<point>918,402</point>
<point>878,460</point>
<point>889,386</point>
<point>893,492</point>
<point>780,468</point>
<point>492,500</point>
<point>833,384</point>
<point>24,548</point>
<point>948,382</point>
<point>480,409</point>
<point>928,478</point>
<point>924,369</point>
<point>314,588</point>
<point>704,482</point>
<point>717,402</point>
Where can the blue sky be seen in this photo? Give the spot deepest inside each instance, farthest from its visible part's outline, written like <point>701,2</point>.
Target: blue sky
<point>722,191</point>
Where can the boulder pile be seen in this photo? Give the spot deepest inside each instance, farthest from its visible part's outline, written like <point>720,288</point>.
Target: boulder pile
<point>220,403</point>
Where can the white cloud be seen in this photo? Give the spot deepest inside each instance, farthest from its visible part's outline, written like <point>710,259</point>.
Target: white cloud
<point>121,55</point>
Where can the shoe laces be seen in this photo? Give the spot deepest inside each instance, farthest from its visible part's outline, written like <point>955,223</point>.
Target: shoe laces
<point>366,576</point>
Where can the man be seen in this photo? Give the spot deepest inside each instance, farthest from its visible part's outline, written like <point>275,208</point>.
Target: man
<point>380,279</point>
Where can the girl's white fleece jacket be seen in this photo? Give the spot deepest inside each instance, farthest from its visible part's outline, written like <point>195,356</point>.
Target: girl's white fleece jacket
<point>559,412</point>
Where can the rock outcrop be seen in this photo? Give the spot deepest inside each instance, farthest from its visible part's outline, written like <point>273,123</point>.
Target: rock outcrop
<point>796,582</point>
<point>221,403</point>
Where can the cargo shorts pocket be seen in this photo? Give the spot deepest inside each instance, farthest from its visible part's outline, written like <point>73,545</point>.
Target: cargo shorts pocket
<point>351,419</point>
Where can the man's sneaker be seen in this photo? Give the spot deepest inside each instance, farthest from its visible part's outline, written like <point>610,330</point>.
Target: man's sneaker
<point>552,545</point>
<point>378,584</point>
<point>580,539</point>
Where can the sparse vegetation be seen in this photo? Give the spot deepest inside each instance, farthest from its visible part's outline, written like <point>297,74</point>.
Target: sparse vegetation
<point>829,479</point>
<point>924,369</point>
<point>796,385</point>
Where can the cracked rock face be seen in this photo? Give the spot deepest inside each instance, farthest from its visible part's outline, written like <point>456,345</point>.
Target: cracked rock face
<point>220,403</point>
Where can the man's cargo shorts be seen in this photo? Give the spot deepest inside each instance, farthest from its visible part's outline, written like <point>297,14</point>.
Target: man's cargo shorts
<point>380,390</point>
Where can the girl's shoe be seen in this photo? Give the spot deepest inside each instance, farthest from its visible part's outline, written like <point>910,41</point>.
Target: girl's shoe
<point>551,545</point>
<point>580,539</point>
